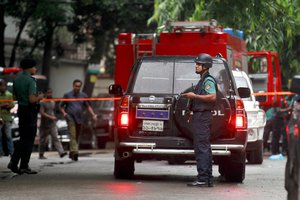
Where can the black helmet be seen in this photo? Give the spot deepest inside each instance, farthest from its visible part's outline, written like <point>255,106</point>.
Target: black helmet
<point>205,59</point>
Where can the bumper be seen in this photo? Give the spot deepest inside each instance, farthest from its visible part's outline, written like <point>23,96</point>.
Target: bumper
<point>150,149</point>
<point>255,134</point>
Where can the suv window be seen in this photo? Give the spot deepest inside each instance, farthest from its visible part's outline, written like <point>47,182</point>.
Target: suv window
<point>156,77</point>
<point>219,72</point>
<point>242,82</point>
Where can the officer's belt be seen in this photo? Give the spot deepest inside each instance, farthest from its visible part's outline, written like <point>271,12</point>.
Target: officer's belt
<point>196,111</point>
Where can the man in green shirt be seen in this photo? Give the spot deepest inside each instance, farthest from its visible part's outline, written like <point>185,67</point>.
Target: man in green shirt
<point>6,118</point>
<point>25,92</point>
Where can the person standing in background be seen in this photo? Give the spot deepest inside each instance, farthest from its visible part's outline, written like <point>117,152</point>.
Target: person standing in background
<point>73,113</point>
<point>25,92</point>
<point>6,118</point>
<point>48,127</point>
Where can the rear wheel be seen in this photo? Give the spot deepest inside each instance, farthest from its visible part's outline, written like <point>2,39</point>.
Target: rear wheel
<point>233,167</point>
<point>124,167</point>
<point>256,156</point>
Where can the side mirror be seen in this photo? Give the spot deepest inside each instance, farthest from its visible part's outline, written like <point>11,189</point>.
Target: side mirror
<point>295,86</point>
<point>244,92</point>
<point>115,89</point>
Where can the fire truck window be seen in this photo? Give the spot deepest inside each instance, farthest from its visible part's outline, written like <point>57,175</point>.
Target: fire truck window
<point>263,66</point>
<point>185,76</point>
<point>154,77</point>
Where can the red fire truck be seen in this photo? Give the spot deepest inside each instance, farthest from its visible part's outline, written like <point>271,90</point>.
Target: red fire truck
<point>192,38</point>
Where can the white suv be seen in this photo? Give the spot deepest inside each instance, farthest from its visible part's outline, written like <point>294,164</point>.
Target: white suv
<point>256,120</point>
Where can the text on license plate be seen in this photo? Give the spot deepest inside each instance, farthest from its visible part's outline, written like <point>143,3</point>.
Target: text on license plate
<point>153,125</point>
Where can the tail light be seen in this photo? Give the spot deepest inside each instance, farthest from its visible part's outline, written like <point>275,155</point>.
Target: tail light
<point>124,119</point>
<point>241,118</point>
<point>123,116</point>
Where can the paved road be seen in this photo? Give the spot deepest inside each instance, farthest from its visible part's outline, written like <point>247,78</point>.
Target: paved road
<point>91,178</point>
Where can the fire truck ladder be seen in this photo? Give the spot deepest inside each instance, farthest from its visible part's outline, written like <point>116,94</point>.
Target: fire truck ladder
<point>144,44</point>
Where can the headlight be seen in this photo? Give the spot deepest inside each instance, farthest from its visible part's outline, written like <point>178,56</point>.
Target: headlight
<point>15,123</point>
<point>61,124</point>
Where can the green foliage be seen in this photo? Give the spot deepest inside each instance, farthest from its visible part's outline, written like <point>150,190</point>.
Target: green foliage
<point>267,25</point>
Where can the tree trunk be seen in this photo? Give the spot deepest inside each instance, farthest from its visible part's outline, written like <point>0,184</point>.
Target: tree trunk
<point>16,43</point>
<point>2,28</point>
<point>47,51</point>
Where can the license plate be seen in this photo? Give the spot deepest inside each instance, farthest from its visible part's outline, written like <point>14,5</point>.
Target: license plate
<point>153,125</point>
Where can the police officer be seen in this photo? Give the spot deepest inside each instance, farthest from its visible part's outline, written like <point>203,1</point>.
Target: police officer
<point>25,92</point>
<point>203,101</point>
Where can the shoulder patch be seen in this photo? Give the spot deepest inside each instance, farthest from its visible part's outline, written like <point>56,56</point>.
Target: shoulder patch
<point>207,87</point>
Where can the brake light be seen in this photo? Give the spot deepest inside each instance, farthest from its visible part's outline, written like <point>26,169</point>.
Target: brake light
<point>125,101</point>
<point>239,122</point>
<point>124,119</point>
<point>241,118</point>
<point>124,112</point>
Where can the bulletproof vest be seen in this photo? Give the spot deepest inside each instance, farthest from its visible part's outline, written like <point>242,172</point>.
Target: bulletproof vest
<point>200,106</point>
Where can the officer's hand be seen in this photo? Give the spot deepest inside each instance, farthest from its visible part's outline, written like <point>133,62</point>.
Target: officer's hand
<point>190,95</point>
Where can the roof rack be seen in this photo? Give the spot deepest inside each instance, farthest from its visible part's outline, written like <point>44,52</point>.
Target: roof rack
<point>203,26</point>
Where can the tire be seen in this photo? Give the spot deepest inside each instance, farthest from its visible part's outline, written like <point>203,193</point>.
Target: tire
<point>292,180</point>
<point>101,142</point>
<point>218,122</point>
<point>124,168</point>
<point>256,156</point>
<point>233,168</point>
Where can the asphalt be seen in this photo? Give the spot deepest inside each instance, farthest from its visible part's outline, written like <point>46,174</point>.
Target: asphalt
<point>35,162</point>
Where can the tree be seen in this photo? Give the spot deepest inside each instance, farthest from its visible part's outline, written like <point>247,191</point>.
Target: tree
<point>48,16</point>
<point>21,11</point>
<point>268,25</point>
<point>99,23</point>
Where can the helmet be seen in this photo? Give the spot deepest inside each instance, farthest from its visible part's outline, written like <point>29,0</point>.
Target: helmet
<point>205,59</point>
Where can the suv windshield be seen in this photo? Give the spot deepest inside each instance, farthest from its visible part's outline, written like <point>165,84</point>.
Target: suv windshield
<point>174,77</point>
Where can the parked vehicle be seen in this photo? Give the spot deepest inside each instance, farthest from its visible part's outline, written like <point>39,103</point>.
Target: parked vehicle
<point>292,168</point>
<point>256,120</point>
<point>97,134</point>
<point>152,120</point>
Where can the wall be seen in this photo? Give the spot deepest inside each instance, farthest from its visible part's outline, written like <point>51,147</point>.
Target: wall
<point>62,75</point>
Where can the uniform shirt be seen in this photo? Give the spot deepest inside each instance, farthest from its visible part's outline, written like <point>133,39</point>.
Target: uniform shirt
<point>75,108</point>
<point>48,108</point>
<point>4,112</point>
<point>207,85</point>
<point>24,85</point>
